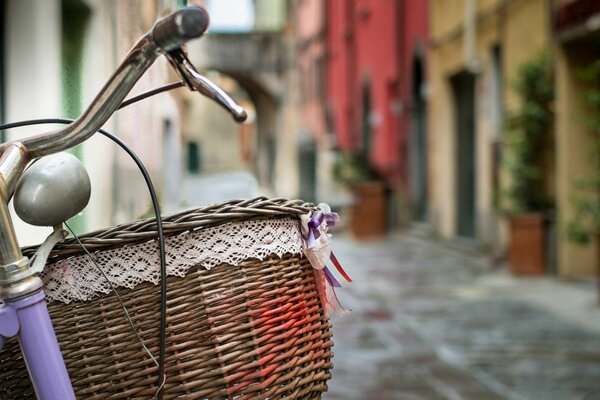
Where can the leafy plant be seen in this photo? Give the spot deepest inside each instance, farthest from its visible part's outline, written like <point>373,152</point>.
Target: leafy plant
<point>587,204</point>
<point>351,169</point>
<point>525,133</point>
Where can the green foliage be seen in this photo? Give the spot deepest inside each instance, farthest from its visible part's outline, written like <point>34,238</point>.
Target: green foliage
<point>524,135</point>
<point>586,220</point>
<point>351,169</point>
<point>587,204</point>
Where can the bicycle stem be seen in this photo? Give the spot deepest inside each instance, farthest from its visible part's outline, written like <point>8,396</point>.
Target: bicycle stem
<point>13,266</point>
<point>13,160</point>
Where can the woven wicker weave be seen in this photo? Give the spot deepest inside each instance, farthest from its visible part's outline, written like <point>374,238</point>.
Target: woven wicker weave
<point>256,330</point>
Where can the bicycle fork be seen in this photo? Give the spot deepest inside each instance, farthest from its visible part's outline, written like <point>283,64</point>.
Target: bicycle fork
<point>27,318</point>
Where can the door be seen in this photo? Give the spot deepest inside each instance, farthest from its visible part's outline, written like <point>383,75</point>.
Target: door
<point>463,85</point>
<point>308,168</point>
<point>418,145</point>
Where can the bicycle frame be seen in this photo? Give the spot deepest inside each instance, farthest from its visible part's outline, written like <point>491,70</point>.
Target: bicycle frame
<point>24,313</point>
<point>28,317</point>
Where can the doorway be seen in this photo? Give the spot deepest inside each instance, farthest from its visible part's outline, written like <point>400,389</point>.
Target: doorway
<point>463,88</point>
<point>418,144</point>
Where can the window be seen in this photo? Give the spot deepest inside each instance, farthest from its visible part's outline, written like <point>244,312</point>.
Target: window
<point>193,157</point>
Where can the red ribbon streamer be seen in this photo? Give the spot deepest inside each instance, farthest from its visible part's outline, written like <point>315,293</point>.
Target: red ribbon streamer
<point>338,266</point>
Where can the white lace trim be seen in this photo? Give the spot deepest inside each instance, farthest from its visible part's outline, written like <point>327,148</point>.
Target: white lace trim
<point>77,278</point>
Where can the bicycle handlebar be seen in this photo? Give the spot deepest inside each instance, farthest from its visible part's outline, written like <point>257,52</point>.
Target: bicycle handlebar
<point>171,32</point>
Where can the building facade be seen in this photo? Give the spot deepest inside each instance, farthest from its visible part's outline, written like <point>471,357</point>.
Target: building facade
<point>476,49</point>
<point>376,86</point>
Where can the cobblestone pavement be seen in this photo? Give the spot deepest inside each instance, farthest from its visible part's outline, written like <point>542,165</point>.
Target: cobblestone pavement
<point>433,321</point>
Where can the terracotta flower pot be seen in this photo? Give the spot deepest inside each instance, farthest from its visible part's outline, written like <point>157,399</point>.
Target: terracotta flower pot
<point>526,249</point>
<point>367,214</point>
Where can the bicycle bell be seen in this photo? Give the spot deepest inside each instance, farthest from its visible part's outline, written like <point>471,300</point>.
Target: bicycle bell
<point>52,190</point>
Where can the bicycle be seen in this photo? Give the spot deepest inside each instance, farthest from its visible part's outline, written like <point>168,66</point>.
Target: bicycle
<point>258,330</point>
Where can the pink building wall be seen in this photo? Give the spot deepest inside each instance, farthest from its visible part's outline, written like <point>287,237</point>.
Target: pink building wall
<point>311,53</point>
<point>374,42</point>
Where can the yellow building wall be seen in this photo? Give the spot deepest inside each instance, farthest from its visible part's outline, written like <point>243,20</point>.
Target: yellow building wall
<point>444,16</point>
<point>525,33</point>
<point>441,143</point>
<point>573,157</point>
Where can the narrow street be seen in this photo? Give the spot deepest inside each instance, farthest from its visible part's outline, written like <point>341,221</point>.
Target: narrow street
<point>431,320</point>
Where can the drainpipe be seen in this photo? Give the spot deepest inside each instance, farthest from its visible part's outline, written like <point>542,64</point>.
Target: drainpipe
<point>470,30</point>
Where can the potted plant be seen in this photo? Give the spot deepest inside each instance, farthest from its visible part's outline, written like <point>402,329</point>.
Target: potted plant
<point>527,131</point>
<point>367,211</point>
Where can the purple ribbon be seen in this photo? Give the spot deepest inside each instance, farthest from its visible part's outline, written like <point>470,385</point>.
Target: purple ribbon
<point>317,218</point>
<point>330,218</point>
<point>330,278</point>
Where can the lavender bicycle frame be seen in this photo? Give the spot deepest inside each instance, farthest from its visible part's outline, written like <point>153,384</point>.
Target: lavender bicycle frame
<point>28,318</point>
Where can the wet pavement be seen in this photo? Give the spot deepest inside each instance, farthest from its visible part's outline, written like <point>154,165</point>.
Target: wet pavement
<point>433,320</point>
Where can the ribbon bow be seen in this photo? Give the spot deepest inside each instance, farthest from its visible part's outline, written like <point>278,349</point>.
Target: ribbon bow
<point>317,248</point>
<point>316,220</point>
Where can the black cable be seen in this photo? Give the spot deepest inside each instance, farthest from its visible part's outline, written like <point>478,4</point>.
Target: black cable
<point>159,227</point>
<point>124,104</point>
<point>114,290</point>
<point>152,92</point>
<point>163,261</point>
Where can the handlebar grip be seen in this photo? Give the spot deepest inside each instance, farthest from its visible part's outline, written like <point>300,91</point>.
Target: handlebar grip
<point>188,23</point>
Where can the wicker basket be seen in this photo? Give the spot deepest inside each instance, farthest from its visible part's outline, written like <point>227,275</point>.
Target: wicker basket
<point>255,330</point>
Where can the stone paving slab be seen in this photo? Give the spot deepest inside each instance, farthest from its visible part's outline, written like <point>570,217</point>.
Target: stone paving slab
<point>434,321</point>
